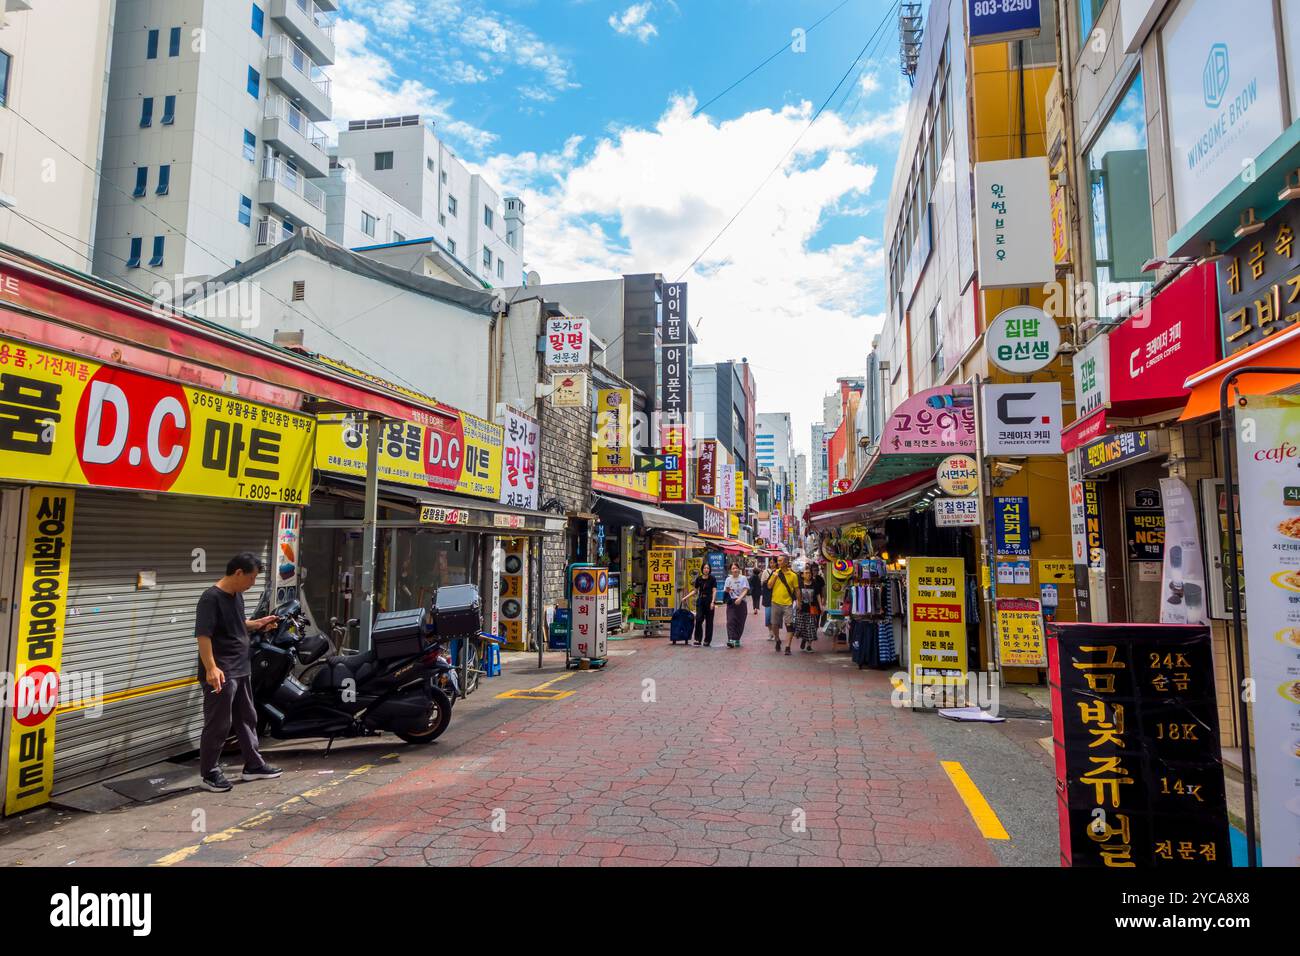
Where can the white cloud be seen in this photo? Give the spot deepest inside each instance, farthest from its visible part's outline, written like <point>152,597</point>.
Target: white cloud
<point>444,34</point>
<point>649,199</point>
<point>634,22</point>
<point>365,85</point>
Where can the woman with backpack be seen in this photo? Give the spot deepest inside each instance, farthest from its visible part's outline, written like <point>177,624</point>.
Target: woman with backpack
<point>755,587</point>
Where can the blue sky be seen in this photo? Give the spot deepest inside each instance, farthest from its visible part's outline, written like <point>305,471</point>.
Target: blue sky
<point>585,109</point>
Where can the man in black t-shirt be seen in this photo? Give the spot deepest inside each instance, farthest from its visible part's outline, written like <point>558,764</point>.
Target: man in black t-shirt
<point>225,673</point>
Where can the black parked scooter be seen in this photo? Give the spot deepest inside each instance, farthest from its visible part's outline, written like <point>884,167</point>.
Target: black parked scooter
<point>395,686</point>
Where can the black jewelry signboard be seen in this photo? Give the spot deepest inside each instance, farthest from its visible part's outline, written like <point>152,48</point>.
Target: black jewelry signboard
<point>1136,732</point>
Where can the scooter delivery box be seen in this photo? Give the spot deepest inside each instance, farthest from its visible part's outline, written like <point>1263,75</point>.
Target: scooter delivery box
<point>458,610</point>
<point>398,634</point>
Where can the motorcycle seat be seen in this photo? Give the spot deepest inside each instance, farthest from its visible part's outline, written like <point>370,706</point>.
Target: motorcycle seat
<point>338,668</point>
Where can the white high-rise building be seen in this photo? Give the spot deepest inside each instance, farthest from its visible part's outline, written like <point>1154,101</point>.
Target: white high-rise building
<point>212,138</point>
<point>399,194</point>
<point>818,485</point>
<point>52,125</point>
<point>774,441</point>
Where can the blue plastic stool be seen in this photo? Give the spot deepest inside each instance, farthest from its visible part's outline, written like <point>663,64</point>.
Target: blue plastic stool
<point>492,660</point>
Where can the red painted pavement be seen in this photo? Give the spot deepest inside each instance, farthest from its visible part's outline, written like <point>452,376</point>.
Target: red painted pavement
<point>711,772</point>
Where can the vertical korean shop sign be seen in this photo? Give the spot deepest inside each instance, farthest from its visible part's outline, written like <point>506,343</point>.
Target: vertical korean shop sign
<point>1011,526</point>
<point>706,470</point>
<point>660,574</point>
<point>614,431</point>
<point>1136,729</point>
<point>1013,223</point>
<point>936,595</point>
<point>519,478</point>
<point>672,358</point>
<point>70,421</point>
<point>42,601</point>
<point>1268,453</point>
<point>673,482</point>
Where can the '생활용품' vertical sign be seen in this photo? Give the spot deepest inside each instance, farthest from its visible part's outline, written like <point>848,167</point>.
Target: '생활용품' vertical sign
<point>42,613</point>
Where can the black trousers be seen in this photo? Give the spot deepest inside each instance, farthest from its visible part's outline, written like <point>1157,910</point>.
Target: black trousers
<point>704,621</point>
<point>231,707</point>
<point>735,621</point>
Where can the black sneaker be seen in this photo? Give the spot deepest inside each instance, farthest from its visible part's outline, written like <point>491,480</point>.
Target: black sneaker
<point>216,782</point>
<point>264,772</point>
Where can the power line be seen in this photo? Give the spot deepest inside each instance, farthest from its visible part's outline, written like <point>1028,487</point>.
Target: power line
<point>782,49</point>
<point>793,145</point>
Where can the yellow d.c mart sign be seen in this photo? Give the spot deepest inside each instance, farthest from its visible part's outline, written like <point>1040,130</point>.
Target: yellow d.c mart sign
<point>70,421</point>
<point>456,452</point>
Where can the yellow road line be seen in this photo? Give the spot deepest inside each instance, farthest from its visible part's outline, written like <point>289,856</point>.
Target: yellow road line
<point>990,826</point>
<point>264,816</point>
<point>541,691</point>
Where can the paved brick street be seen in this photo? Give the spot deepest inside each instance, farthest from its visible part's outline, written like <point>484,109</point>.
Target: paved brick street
<point>671,755</point>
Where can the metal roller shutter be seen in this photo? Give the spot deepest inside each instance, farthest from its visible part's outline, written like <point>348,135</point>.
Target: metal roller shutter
<point>142,640</point>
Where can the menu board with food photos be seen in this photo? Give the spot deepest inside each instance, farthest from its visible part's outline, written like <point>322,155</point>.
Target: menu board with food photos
<point>1136,731</point>
<point>1268,453</point>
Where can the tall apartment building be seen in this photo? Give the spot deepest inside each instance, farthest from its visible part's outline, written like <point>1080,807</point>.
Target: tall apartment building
<point>212,140</point>
<point>818,486</point>
<point>51,136</point>
<point>399,194</point>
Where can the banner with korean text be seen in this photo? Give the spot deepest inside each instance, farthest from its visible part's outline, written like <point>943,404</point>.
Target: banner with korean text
<point>42,603</point>
<point>455,452</point>
<point>936,595</point>
<point>70,421</point>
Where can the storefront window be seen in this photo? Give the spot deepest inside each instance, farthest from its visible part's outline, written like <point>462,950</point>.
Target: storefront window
<point>426,561</point>
<point>1119,197</point>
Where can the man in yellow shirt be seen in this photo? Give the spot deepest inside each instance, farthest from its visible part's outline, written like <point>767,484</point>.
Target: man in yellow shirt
<point>784,584</point>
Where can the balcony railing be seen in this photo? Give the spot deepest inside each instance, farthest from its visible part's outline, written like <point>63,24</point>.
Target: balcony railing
<point>278,107</point>
<point>294,181</point>
<point>281,45</point>
<point>323,20</point>
<point>269,232</point>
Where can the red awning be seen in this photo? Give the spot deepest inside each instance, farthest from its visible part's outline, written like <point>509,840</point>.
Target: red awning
<point>857,500</point>
<point>69,311</point>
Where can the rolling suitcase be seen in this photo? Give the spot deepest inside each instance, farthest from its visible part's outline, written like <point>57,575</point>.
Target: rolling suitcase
<point>681,626</point>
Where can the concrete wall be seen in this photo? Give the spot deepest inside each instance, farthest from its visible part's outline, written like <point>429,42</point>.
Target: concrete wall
<point>408,338</point>
<point>599,301</point>
<point>58,83</point>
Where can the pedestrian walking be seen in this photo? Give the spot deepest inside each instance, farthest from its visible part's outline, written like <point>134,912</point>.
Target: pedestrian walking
<point>808,614</point>
<point>784,584</point>
<point>819,582</point>
<point>735,589</point>
<point>755,587</point>
<point>225,673</point>
<point>706,594</point>
<point>765,587</point>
